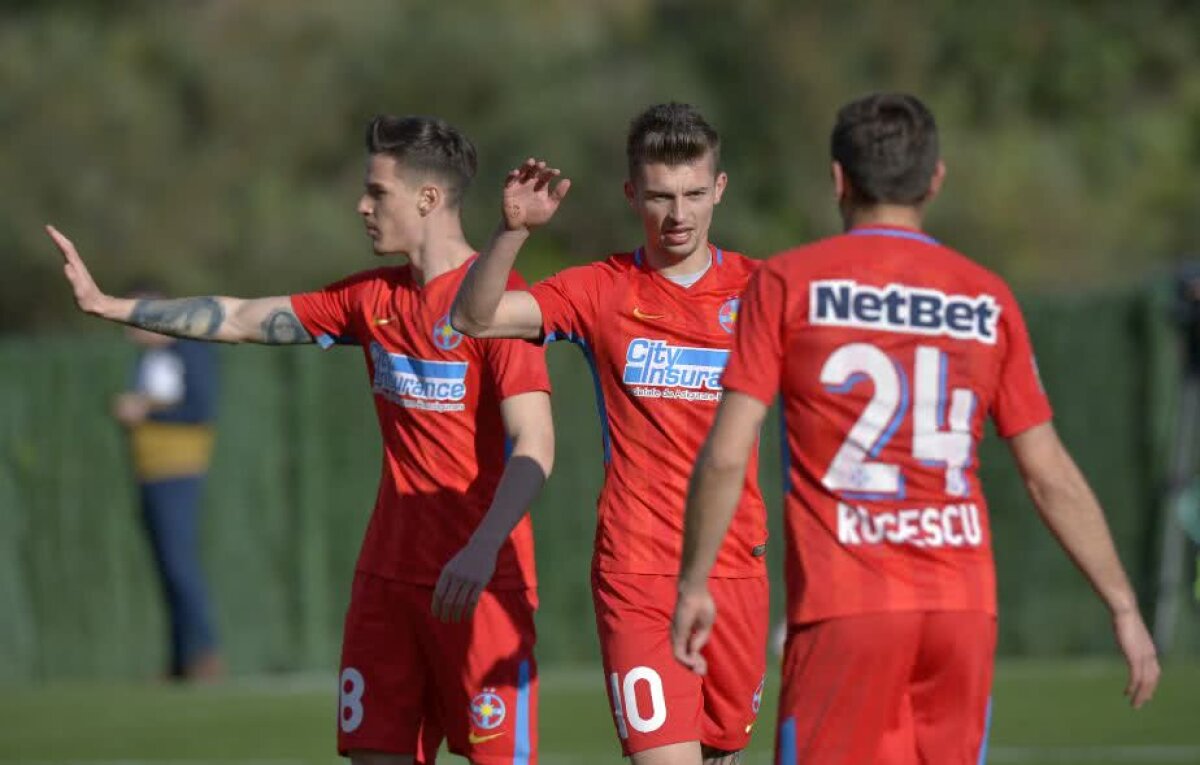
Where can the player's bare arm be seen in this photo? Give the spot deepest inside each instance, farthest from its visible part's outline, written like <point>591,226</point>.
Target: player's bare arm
<point>716,485</point>
<point>222,319</point>
<point>483,308</point>
<point>530,428</point>
<point>1072,513</point>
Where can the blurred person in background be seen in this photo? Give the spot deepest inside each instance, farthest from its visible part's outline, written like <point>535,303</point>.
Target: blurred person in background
<point>169,412</point>
<point>439,636</point>
<point>889,351</point>
<point>656,325</point>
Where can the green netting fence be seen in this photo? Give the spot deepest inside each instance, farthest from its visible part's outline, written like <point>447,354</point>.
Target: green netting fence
<point>298,460</point>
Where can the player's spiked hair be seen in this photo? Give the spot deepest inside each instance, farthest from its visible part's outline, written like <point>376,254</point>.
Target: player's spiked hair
<point>672,134</point>
<point>426,145</point>
<point>887,145</point>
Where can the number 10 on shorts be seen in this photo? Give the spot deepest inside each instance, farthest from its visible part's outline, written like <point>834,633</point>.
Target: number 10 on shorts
<point>625,701</point>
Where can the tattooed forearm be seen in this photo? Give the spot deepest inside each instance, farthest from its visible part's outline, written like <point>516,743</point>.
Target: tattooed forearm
<point>282,327</point>
<point>200,317</point>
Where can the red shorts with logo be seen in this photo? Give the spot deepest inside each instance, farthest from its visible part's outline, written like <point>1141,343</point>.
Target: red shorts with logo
<point>895,688</point>
<point>657,701</point>
<point>408,679</point>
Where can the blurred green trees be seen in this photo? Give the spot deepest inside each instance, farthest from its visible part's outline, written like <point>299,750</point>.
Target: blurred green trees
<point>216,144</point>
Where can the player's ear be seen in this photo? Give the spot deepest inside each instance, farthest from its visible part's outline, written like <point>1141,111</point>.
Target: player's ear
<point>840,190</point>
<point>429,199</point>
<point>631,194</point>
<point>719,187</point>
<point>935,183</point>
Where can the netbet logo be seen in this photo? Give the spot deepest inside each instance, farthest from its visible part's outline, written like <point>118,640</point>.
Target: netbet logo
<point>901,308</point>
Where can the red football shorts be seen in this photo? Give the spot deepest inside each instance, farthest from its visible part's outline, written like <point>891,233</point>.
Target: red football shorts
<point>896,688</point>
<point>657,701</point>
<point>409,679</point>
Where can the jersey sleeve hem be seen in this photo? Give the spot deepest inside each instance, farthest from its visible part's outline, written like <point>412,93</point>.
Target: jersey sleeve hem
<point>748,390</point>
<point>1015,429</point>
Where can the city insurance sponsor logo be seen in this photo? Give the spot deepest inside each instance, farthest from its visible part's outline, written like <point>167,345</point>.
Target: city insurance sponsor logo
<point>657,369</point>
<point>438,386</point>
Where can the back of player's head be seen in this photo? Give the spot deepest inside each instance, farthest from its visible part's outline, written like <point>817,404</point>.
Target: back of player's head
<point>426,145</point>
<point>887,145</point>
<point>670,134</point>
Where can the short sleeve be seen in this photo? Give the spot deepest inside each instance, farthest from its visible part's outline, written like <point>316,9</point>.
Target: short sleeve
<point>331,314</point>
<point>517,367</point>
<point>756,361</point>
<point>568,301</point>
<point>160,376</point>
<point>1020,402</point>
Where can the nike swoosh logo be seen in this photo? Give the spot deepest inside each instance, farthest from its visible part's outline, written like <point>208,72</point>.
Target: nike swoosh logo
<point>637,314</point>
<point>473,739</point>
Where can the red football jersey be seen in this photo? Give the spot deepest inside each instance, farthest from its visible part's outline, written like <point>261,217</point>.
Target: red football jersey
<point>657,351</point>
<point>889,351</point>
<point>437,397</point>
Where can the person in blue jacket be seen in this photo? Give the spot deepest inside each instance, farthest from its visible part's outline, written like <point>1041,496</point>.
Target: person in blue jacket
<point>169,412</point>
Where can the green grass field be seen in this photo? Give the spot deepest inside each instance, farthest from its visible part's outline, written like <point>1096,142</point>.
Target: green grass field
<point>1056,713</point>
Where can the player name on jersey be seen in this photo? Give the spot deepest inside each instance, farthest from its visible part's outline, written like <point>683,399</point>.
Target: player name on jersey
<point>954,525</point>
<point>657,369</point>
<point>901,308</point>
<point>419,383</point>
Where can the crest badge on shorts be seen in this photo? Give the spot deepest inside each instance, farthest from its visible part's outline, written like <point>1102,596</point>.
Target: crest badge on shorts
<point>487,710</point>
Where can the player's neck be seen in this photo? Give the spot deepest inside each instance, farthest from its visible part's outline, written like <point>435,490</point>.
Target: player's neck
<point>899,216</point>
<point>666,265</point>
<point>443,251</point>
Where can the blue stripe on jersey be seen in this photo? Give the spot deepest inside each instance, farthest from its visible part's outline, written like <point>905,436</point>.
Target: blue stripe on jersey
<point>785,452</point>
<point>435,370</point>
<point>720,256</point>
<point>786,748</point>
<point>987,733</point>
<point>523,749</point>
<point>916,236</point>
<point>601,409</point>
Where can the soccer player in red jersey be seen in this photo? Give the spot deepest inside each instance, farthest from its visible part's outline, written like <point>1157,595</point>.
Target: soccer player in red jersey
<point>889,351</point>
<point>655,325</point>
<point>449,537</point>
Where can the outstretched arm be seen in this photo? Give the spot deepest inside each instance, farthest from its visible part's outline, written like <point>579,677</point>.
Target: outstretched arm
<point>531,431</point>
<point>483,308</point>
<point>228,320</point>
<point>717,482</point>
<point>1070,510</point>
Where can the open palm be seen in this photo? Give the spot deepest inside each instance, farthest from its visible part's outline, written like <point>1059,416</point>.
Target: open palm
<point>532,193</point>
<point>87,295</point>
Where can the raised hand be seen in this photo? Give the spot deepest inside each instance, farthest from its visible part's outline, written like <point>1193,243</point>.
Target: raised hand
<point>531,195</point>
<point>88,296</point>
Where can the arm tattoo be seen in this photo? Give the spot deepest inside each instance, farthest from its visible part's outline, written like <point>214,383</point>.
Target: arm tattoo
<point>283,328</point>
<point>198,317</point>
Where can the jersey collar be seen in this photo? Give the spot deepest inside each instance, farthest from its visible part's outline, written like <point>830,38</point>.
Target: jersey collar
<point>897,232</point>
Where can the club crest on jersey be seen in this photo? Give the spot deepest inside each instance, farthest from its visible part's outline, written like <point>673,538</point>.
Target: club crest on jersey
<point>487,710</point>
<point>445,336</point>
<point>657,369</point>
<point>902,308</point>
<point>419,383</point>
<point>727,315</point>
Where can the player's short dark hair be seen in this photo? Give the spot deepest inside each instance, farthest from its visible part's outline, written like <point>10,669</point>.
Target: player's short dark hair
<point>426,145</point>
<point>673,134</point>
<point>887,145</point>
